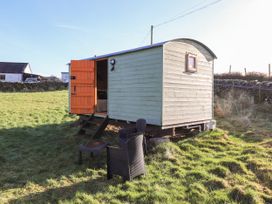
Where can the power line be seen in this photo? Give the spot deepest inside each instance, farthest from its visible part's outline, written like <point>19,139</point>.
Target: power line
<point>189,12</point>
<point>186,10</point>
<point>148,33</point>
<point>184,14</point>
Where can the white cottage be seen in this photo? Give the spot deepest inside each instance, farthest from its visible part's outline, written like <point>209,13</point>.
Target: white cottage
<point>14,71</point>
<point>170,84</point>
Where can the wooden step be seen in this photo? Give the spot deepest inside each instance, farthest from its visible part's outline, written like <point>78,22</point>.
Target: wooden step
<point>90,133</point>
<point>88,129</point>
<point>93,126</point>
<point>101,128</point>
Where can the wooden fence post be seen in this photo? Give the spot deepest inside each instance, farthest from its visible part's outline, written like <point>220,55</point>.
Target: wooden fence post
<point>269,71</point>
<point>260,94</point>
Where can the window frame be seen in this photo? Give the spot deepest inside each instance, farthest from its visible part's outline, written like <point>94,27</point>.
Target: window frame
<point>2,77</point>
<point>188,67</point>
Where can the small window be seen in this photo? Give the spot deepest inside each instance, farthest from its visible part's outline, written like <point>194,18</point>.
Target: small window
<point>2,77</point>
<point>191,65</point>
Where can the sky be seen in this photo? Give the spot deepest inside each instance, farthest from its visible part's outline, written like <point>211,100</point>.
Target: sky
<point>48,34</point>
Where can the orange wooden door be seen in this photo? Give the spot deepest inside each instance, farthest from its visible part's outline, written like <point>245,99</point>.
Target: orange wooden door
<point>82,87</point>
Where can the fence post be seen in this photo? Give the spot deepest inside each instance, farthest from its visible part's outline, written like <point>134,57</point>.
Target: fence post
<point>269,71</point>
<point>259,94</point>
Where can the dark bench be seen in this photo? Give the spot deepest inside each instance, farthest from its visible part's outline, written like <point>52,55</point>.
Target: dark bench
<point>93,148</point>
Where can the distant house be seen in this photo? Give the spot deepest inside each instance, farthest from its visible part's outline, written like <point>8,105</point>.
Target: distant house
<point>65,77</point>
<point>14,71</point>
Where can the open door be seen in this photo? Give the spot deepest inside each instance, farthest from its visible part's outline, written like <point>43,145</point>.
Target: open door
<point>82,87</point>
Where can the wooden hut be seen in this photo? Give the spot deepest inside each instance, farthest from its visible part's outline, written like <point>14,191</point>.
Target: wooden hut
<point>170,84</point>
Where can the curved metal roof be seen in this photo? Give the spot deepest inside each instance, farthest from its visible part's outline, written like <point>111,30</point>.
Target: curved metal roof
<point>197,42</point>
<point>152,46</point>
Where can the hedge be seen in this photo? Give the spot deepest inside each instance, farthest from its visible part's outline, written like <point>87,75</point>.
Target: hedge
<point>32,87</point>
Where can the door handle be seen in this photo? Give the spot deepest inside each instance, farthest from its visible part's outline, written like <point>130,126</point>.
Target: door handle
<point>74,91</point>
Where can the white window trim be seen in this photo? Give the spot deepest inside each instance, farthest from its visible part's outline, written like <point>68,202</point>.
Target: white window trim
<point>187,68</point>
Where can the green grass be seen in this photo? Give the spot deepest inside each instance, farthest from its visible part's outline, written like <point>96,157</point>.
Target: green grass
<point>38,151</point>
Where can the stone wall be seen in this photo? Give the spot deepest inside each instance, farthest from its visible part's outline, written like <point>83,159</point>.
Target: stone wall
<point>261,91</point>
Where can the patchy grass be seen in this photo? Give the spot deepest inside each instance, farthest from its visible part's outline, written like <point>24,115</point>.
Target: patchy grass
<point>38,151</point>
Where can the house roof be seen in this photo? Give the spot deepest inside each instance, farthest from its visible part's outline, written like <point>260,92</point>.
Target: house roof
<point>152,46</point>
<point>12,67</point>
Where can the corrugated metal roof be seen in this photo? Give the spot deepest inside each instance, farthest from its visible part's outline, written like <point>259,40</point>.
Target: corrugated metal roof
<point>149,47</point>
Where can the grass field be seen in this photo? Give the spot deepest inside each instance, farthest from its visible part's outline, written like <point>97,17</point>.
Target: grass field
<point>38,151</point>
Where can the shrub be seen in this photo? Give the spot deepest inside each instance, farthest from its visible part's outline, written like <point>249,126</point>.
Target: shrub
<point>32,87</point>
<point>249,76</point>
<point>235,102</point>
<point>237,106</point>
<point>255,76</point>
<point>232,75</point>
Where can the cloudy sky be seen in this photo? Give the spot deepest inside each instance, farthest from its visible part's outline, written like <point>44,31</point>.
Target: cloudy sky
<point>48,34</point>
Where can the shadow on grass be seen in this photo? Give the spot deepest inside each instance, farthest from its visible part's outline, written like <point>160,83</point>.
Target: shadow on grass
<point>54,195</point>
<point>259,129</point>
<point>38,154</point>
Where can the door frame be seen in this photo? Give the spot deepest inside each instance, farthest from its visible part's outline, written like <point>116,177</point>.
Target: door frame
<point>95,71</point>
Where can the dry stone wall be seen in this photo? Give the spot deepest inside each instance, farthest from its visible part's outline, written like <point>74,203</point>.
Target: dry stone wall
<point>261,91</point>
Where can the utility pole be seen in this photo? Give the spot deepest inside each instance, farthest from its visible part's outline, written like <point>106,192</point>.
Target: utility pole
<point>245,71</point>
<point>151,30</point>
<point>230,69</point>
<point>269,70</point>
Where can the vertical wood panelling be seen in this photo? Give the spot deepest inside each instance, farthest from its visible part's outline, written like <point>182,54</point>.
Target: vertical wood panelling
<point>82,87</point>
